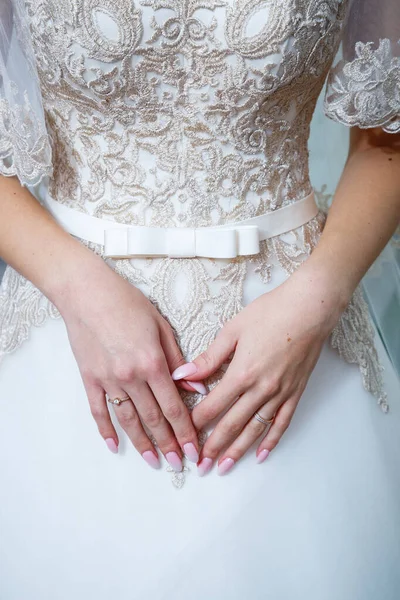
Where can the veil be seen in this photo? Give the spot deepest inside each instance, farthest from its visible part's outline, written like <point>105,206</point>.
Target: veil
<point>25,149</point>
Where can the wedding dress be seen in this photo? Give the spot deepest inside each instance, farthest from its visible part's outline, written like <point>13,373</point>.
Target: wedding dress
<point>190,114</point>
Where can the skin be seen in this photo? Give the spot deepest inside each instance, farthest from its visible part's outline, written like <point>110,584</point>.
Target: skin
<point>123,346</point>
<point>274,358</point>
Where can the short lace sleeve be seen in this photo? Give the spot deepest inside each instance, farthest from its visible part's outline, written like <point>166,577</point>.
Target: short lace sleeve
<point>24,144</point>
<point>363,88</point>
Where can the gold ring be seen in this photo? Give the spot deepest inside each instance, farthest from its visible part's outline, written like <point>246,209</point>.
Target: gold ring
<point>118,401</point>
<point>261,420</point>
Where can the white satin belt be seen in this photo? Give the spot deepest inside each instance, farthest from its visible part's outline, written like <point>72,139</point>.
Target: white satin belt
<point>241,238</point>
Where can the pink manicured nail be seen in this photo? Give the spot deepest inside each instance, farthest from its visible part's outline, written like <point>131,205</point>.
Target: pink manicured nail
<point>262,456</point>
<point>204,467</point>
<point>225,466</point>
<point>191,452</point>
<point>111,445</point>
<point>198,386</point>
<point>184,371</point>
<point>151,459</point>
<point>174,460</point>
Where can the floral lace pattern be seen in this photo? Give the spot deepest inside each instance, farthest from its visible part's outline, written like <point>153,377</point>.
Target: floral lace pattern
<point>366,91</point>
<point>24,143</point>
<point>181,113</point>
<point>356,346</point>
<point>22,306</point>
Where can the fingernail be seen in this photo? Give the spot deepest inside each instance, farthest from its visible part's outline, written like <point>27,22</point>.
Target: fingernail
<point>198,386</point>
<point>184,371</point>
<point>151,459</point>
<point>174,460</point>
<point>111,445</point>
<point>225,466</point>
<point>262,456</point>
<point>191,452</point>
<point>204,467</point>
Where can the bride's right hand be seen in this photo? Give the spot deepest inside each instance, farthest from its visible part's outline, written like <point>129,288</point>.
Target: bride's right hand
<point>122,344</point>
<point>124,347</point>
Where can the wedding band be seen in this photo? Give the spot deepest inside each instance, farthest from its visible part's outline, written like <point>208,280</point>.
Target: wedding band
<point>264,421</point>
<point>118,401</point>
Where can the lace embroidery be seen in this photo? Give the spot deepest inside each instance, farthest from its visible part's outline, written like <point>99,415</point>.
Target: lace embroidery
<point>366,91</point>
<point>24,144</point>
<point>22,306</point>
<point>353,337</point>
<point>175,113</point>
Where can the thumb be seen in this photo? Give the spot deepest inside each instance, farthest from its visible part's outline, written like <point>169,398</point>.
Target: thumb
<point>209,361</point>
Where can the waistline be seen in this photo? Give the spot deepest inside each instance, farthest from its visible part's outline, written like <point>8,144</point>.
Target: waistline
<point>241,238</point>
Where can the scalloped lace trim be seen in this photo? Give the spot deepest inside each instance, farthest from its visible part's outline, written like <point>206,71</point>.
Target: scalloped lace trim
<point>25,149</point>
<point>366,91</point>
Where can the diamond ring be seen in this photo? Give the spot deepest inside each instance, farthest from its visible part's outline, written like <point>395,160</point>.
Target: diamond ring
<point>118,401</point>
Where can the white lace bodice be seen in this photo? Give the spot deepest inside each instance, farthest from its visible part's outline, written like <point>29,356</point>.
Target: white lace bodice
<point>181,112</point>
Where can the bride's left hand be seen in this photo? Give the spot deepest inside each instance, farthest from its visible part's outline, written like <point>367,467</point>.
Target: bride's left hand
<point>276,341</point>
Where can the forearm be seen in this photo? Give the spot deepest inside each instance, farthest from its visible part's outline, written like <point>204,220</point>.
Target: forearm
<point>37,247</point>
<point>364,214</point>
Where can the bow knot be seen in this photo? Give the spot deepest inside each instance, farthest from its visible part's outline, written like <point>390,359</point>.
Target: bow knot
<point>182,242</point>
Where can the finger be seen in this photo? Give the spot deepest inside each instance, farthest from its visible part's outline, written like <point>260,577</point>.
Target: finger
<point>237,429</point>
<point>250,433</point>
<point>152,416</point>
<point>130,422</point>
<point>171,349</point>
<point>100,413</point>
<point>211,360</point>
<point>281,422</point>
<point>174,410</point>
<point>175,359</point>
<point>228,390</point>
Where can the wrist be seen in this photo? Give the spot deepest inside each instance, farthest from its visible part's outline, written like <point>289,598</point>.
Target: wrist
<point>74,274</point>
<point>339,279</point>
<point>328,298</point>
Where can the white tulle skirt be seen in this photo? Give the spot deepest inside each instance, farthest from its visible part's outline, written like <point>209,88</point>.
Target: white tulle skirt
<point>320,519</point>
